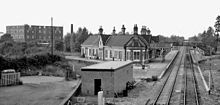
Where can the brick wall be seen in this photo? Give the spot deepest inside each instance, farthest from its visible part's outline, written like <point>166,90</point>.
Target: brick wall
<point>121,77</point>
<point>107,82</point>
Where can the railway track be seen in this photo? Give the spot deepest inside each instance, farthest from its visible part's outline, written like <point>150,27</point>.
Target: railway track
<point>190,89</point>
<point>165,92</point>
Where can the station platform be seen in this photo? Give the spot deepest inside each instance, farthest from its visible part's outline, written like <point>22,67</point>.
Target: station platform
<point>153,68</point>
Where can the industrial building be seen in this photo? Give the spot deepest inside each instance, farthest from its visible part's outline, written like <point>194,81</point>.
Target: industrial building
<point>111,77</point>
<point>25,33</point>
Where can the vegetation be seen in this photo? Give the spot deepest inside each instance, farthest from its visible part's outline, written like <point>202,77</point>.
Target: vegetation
<point>73,41</point>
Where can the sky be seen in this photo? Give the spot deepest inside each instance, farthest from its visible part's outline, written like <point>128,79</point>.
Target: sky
<point>163,17</point>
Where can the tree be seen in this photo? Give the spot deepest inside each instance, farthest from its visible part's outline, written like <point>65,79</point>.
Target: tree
<point>67,42</point>
<point>194,39</point>
<point>6,37</point>
<point>59,45</point>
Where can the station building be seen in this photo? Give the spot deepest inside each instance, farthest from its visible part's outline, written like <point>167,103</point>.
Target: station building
<point>122,47</point>
<point>111,77</point>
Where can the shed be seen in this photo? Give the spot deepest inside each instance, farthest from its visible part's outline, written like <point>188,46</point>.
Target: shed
<point>111,77</point>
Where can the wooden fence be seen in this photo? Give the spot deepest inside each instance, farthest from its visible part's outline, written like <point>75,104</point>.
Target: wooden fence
<point>9,79</point>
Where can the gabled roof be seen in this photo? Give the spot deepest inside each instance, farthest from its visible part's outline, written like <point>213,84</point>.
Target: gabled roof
<point>92,40</point>
<point>118,40</point>
<point>155,39</point>
<point>148,38</point>
<point>105,38</point>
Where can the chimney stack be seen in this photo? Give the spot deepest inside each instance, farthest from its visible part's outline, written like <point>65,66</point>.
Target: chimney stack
<point>123,29</point>
<point>114,31</point>
<point>143,30</point>
<point>100,30</point>
<point>148,31</point>
<point>135,29</point>
<point>71,28</point>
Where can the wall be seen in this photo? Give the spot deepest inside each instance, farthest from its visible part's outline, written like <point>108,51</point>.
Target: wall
<point>121,77</point>
<point>22,33</point>
<point>17,32</point>
<point>107,82</point>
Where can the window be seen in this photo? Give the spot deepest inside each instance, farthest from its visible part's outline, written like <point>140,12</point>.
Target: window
<point>136,55</point>
<point>90,52</point>
<point>97,52</point>
<point>115,54</point>
<point>110,54</point>
<point>27,37</point>
<point>93,52</point>
<point>106,53</point>
<point>128,55</point>
<point>120,54</point>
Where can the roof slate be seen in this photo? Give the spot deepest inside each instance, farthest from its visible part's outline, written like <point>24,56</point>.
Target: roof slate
<point>118,40</point>
<point>92,40</point>
<point>147,38</point>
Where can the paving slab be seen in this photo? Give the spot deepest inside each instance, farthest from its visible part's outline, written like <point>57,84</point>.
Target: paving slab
<point>153,68</point>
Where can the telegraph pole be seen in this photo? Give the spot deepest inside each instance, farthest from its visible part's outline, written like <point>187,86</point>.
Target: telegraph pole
<point>52,36</point>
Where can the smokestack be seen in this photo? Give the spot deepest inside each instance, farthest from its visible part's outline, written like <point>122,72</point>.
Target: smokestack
<point>71,28</point>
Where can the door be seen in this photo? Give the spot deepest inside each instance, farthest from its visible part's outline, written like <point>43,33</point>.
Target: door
<point>97,85</point>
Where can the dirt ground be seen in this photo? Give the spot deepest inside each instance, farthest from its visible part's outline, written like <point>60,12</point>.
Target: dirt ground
<point>37,90</point>
<point>215,71</point>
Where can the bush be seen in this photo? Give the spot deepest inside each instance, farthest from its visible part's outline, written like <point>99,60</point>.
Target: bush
<point>154,78</point>
<point>20,83</point>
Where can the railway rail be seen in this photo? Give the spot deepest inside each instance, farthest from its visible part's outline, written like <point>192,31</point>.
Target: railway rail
<point>165,92</point>
<point>190,96</point>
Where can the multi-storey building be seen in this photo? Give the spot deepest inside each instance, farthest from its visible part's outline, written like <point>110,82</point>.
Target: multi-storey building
<point>25,33</point>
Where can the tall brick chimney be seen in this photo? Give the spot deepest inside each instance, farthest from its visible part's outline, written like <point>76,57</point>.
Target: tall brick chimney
<point>71,29</point>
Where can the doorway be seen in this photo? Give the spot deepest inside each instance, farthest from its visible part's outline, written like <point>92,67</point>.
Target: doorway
<point>97,85</point>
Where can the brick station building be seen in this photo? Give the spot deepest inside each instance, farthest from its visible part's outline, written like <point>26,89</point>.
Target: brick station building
<point>111,77</point>
<point>122,47</point>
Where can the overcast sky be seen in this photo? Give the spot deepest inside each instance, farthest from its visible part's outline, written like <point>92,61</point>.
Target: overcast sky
<point>166,17</point>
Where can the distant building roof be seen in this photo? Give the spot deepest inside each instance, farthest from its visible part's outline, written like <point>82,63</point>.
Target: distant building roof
<point>106,66</point>
<point>155,39</point>
<point>147,38</point>
<point>118,40</point>
<point>92,40</point>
